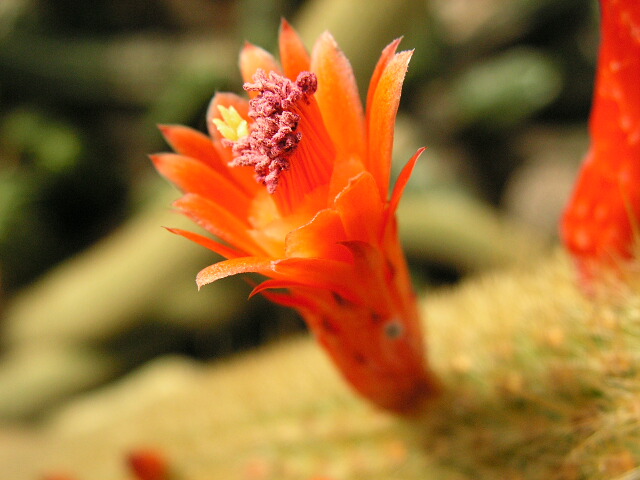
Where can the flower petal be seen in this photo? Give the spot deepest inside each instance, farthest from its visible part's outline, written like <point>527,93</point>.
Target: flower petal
<point>402,181</point>
<point>218,221</point>
<point>272,284</point>
<point>293,300</point>
<point>345,169</point>
<point>293,55</point>
<point>338,96</point>
<point>219,248</point>
<point>191,143</point>
<point>381,119</point>
<point>233,266</point>
<point>318,238</point>
<point>192,176</point>
<point>386,56</point>
<point>361,209</point>
<point>336,276</point>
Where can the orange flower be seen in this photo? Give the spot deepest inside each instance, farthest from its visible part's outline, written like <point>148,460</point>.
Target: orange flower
<point>295,185</point>
<point>600,224</point>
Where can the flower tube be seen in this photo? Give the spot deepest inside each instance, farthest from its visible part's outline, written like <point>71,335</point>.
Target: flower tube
<point>601,222</point>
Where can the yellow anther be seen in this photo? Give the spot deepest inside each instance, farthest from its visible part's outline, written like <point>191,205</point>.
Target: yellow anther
<point>232,126</point>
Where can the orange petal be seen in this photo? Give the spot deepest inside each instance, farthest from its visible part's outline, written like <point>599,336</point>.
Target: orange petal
<point>273,284</point>
<point>293,54</point>
<point>209,243</point>
<point>318,238</point>
<point>338,96</point>
<point>310,165</point>
<point>292,299</point>
<point>344,170</point>
<point>381,119</point>
<point>327,274</point>
<point>218,221</point>
<point>284,299</point>
<point>252,58</point>
<point>234,266</point>
<point>389,223</point>
<point>191,143</point>
<point>386,56</point>
<point>192,176</point>
<point>361,209</point>
<point>402,181</point>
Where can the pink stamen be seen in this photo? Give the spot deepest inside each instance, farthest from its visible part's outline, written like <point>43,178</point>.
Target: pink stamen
<point>274,134</point>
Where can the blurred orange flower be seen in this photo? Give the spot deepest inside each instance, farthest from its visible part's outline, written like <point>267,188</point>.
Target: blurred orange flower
<point>600,225</point>
<point>294,183</point>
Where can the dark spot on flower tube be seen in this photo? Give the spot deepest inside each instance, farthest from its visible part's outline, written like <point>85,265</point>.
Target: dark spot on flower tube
<point>329,327</point>
<point>359,358</point>
<point>340,300</point>
<point>393,329</point>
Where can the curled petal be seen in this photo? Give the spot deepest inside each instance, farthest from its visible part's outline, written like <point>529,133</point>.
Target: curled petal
<point>233,266</point>
<point>318,273</point>
<point>219,248</point>
<point>381,119</point>
<point>293,54</point>
<point>293,300</point>
<point>387,54</point>
<point>402,181</point>
<point>338,96</point>
<point>272,284</point>
<point>289,299</point>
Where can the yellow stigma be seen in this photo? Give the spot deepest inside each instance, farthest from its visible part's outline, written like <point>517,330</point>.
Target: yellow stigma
<point>232,126</point>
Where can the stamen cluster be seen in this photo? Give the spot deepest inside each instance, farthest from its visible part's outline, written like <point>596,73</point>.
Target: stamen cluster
<point>274,134</point>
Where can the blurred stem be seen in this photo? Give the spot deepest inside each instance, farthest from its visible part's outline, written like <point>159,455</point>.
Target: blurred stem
<point>259,21</point>
<point>542,383</point>
<point>127,69</point>
<point>140,272</point>
<point>460,231</point>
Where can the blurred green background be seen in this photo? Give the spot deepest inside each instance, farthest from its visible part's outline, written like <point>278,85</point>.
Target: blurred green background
<point>91,286</point>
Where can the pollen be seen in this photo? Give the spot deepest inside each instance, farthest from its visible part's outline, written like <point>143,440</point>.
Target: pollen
<point>232,126</point>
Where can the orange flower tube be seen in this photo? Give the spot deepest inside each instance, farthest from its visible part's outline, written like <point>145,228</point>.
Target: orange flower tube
<point>601,222</point>
<point>294,185</point>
